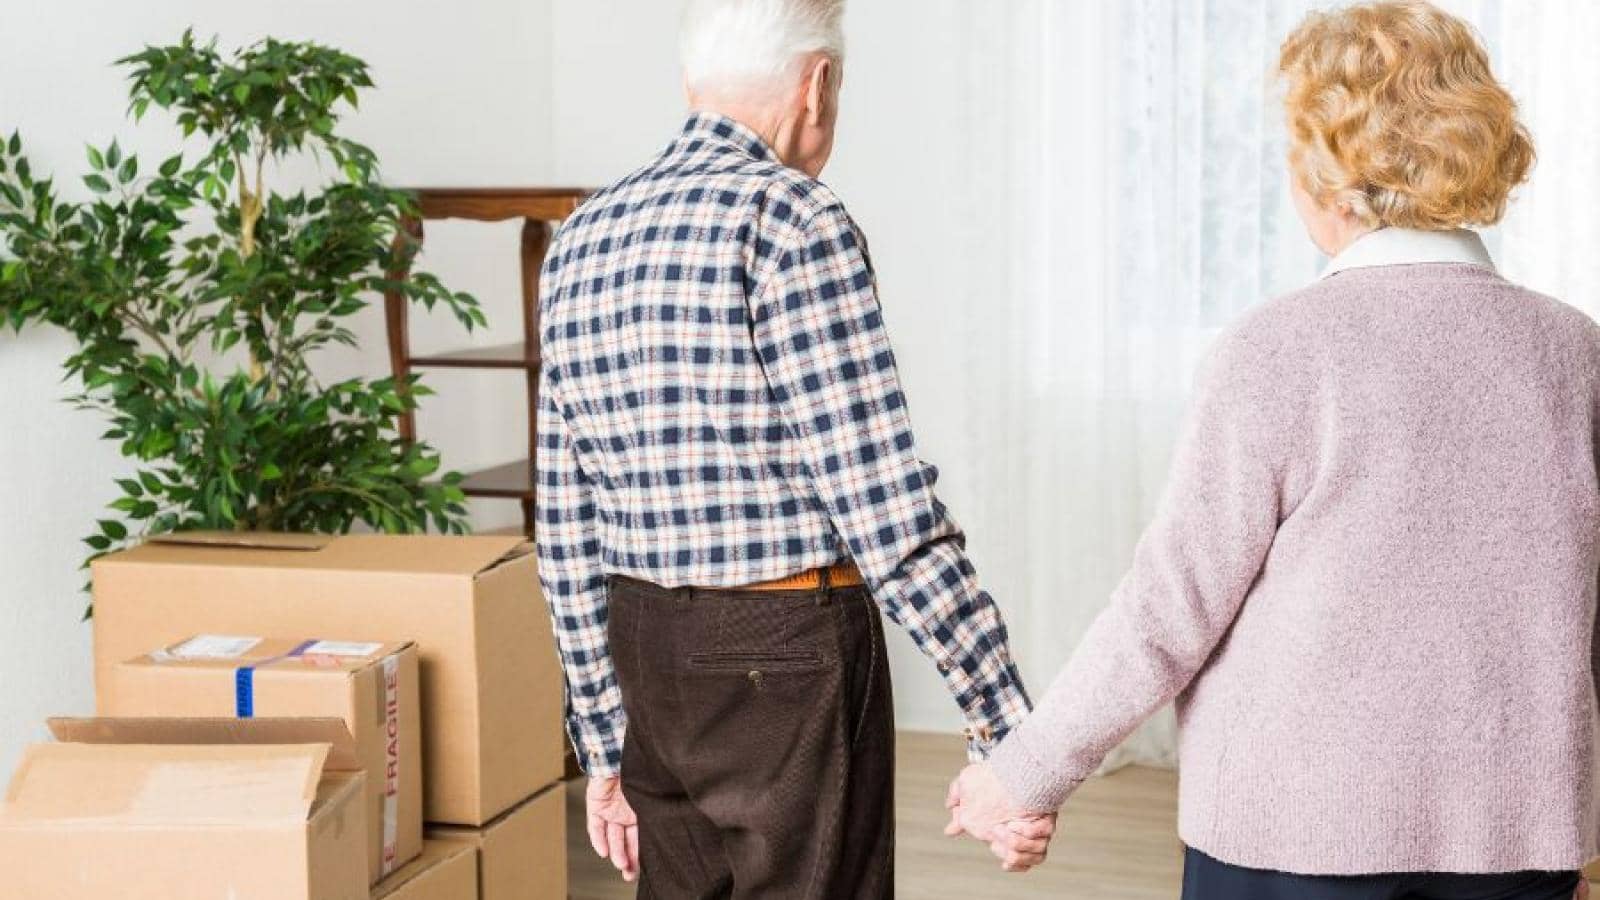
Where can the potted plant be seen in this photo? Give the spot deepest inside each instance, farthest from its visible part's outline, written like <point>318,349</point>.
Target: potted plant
<point>198,296</point>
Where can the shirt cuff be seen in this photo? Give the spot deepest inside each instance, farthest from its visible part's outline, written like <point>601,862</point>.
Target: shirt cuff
<point>599,751</point>
<point>995,711</point>
<point>600,764</point>
<point>981,741</point>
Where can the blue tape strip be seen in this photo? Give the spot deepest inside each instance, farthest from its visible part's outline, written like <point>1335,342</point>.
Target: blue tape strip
<point>244,681</point>
<point>244,691</point>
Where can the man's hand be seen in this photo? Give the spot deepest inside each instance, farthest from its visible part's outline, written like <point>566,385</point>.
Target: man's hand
<point>979,807</point>
<point>613,828</point>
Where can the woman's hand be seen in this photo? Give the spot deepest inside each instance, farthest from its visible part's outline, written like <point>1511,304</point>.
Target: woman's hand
<point>979,807</point>
<point>613,828</point>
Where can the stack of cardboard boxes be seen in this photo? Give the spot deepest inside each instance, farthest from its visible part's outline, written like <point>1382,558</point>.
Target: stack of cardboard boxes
<point>287,716</point>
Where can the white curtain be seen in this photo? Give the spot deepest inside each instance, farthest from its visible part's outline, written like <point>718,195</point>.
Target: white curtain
<point>1135,203</point>
<point>1546,51</point>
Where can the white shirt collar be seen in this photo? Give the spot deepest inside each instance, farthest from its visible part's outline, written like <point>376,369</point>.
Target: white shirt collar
<point>1408,246</point>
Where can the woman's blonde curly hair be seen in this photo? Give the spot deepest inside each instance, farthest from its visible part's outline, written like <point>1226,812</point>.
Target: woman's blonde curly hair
<point>1393,110</point>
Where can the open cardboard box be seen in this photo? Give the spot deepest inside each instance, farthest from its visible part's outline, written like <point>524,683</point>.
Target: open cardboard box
<point>370,686</point>
<point>186,809</point>
<point>491,683</point>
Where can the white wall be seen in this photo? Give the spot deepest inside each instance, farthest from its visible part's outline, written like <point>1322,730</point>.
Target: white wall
<point>463,98</point>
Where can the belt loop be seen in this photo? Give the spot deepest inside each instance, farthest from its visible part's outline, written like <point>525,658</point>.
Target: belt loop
<point>825,578</point>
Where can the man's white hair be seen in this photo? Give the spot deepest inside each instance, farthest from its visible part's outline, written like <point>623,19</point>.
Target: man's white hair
<point>756,43</point>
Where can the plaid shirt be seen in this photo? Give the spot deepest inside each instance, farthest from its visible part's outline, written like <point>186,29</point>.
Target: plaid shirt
<point>719,406</point>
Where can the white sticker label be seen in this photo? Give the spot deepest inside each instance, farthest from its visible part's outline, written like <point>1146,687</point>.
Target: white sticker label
<point>214,646</point>
<point>343,648</point>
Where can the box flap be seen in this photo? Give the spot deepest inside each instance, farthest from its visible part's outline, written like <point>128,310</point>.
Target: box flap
<point>258,540</point>
<point>174,784</point>
<point>229,652</point>
<point>341,746</point>
<point>515,553</point>
<point>401,555</point>
<point>451,555</point>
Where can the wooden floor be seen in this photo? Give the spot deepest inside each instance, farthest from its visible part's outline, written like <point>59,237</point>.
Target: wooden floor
<point>1117,839</point>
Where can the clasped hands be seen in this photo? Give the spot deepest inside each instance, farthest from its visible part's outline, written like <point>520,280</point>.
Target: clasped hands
<point>979,807</point>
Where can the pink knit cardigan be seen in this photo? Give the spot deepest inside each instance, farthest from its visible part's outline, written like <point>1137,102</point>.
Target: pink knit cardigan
<point>1370,587</point>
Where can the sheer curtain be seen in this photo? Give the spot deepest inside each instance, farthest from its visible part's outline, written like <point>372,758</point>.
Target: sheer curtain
<point>1137,205</point>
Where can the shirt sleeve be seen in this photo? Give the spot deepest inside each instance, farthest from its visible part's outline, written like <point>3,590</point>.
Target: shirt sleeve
<point>1191,572</point>
<point>820,336</point>
<point>575,588</point>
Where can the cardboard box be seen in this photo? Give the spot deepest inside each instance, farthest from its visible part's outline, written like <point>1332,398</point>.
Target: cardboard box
<point>443,871</point>
<point>491,683</point>
<point>371,686</point>
<point>171,809</point>
<point>522,855</point>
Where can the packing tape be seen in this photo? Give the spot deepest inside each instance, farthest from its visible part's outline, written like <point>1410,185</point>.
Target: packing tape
<point>244,682</point>
<point>391,762</point>
<point>244,692</point>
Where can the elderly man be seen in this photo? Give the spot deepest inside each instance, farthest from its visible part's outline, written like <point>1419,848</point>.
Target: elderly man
<point>729,490</point>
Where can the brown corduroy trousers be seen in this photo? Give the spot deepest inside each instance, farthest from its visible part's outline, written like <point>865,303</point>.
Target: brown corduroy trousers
<point>759,754</point>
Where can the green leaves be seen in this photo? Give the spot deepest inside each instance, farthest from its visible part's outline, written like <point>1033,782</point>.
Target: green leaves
<point>275,95</point>
<point>197,345</point>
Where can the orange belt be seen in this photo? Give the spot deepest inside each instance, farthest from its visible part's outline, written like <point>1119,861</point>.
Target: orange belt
<point>839,575</point>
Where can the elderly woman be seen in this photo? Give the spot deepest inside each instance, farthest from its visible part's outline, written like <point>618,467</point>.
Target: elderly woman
<point>1371,584</point>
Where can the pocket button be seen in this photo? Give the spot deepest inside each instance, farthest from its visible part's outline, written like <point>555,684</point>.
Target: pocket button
<point>755,678</point>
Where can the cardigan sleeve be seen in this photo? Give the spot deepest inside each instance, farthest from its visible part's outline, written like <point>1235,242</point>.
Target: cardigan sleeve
<point>1191,571</point>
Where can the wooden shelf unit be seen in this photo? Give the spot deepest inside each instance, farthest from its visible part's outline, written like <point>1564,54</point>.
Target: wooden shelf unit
<point>539,209</point>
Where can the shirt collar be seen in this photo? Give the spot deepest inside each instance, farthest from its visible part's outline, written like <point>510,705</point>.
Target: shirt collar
<point>709,126</point>
<point>1409,246</point>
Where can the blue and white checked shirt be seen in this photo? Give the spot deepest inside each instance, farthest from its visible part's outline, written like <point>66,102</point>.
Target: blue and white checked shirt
<point>719,406</point>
